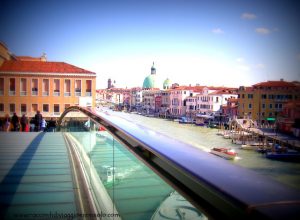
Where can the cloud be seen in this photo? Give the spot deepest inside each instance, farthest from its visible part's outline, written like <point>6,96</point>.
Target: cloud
<point>218,31</point>
<point>248,16</point>
<point>263,31</point>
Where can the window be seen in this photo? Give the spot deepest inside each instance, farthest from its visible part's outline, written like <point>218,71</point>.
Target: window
<point>12,86</point>
<point>264,96</point>
<point>23,87</point>
<point>250,106</point>
<point>263,105</point>
<point>1,107</point>
<point>12,108</point>
<point>56,109</point>
<point>45,107</point>
<point>243,96</point>
<point>34,87</point>
<point>23,108</point>
<point>1,86</point>
<point>270,114</point>
<point>250,96</point>
<point>77,87</point>
<point>67,87</point>
<point>88,91</point>
<point>56,90</point>
<point>45,87</point>
<point>217,99</point>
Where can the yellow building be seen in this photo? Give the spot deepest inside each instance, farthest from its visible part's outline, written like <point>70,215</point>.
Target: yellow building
<point>29,84</point>
<point>264,101</point>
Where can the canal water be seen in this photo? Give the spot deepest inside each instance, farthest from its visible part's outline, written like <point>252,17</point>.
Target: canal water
<point>206,138</point>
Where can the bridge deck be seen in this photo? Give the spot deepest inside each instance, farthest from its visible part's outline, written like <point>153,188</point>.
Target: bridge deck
<point>35,175</point>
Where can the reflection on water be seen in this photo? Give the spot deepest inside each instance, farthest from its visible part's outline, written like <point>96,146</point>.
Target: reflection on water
<point>206,138</point>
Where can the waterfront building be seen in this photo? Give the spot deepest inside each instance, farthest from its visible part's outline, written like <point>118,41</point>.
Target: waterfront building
<point>264,101</point>
<point>220,97</point>
<point>150,100</point>
<point>29,84</point>
<point>165,103</point>
<point>203,100</point>
<point>230,109</point>
<point>288,120</point>
<point>136,99</point>
<point>191,106</point>
<point>178,97</point>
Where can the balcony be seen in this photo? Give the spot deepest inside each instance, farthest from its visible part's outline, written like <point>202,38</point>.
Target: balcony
<point>34,93</point>
<point>45,93</point>
<point>12,93</point>
<point>77,92</point>
<point>23,93</point>
<point>88,93</point>
<point>67,94</point>
<point>56,93</point>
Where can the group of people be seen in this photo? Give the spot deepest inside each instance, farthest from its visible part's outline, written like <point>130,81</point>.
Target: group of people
<point>37,123</point>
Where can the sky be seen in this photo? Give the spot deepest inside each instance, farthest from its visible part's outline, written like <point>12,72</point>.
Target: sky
<point>214,43</point>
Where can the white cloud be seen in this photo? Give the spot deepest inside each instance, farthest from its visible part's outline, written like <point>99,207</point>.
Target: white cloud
<point>218,31</point>
<point>249,16</point>
<point>262,30</point>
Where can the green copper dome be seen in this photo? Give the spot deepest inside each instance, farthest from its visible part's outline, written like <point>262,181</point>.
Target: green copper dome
<point>167,84</point>
<point>149,82</point>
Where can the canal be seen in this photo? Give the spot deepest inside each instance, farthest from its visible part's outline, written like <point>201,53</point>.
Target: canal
<point>205,138</point>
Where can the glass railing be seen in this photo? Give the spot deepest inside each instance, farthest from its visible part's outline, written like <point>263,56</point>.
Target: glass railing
<point>137,173</point>
<point>122,186</point>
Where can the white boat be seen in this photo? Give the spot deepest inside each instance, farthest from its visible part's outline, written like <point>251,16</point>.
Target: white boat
<point>226,153</point>
<point>249,147</point>
<point>177,207</point>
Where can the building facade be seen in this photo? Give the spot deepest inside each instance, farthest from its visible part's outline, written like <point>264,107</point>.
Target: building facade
<point>50,87</point>
<point>264,101</point>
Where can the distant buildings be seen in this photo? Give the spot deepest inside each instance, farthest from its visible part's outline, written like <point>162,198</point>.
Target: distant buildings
<point>267,103</point>
<point>28,84</point>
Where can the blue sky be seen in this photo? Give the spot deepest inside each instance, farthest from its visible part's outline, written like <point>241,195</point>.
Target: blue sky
<point>231,43</point>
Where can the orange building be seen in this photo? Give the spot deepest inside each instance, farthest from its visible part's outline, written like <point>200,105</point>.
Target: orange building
<point>29,84</point>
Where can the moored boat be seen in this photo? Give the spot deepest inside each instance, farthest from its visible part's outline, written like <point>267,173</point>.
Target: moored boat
<point>289,155</point>
<point>226,153</point>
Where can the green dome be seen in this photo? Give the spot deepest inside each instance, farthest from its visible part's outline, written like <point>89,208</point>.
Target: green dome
<point>167,84</point>
<point>149,82</point>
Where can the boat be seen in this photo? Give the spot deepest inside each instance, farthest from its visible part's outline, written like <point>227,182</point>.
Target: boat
<point>226,153</point>
<point>289,155</point>
<point>203,120</point>
<point>177,207</point>
<point>185,120</point>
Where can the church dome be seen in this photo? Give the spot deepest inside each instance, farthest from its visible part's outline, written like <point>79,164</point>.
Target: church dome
<point>167,84</point>
<point>149,82</point>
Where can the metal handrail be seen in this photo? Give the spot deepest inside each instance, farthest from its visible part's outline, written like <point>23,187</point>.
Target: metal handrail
<point>216,187</point>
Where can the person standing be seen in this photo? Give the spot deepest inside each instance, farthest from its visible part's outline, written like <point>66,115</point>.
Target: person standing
<point>15,122</point>
<point>51,125</point>
<point>43,125</point>
<point>24,122</point>
<point>6,123</point>
<point>38,120</point>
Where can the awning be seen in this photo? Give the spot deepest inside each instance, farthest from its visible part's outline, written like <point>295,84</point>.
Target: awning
<point>271,119</point>
<point>204,116</point>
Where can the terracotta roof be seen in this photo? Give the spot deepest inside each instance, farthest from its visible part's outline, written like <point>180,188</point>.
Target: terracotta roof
<point>226,91</point>
<point>276,84</point>
<point>41,67</point>
<point>28,58</point>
